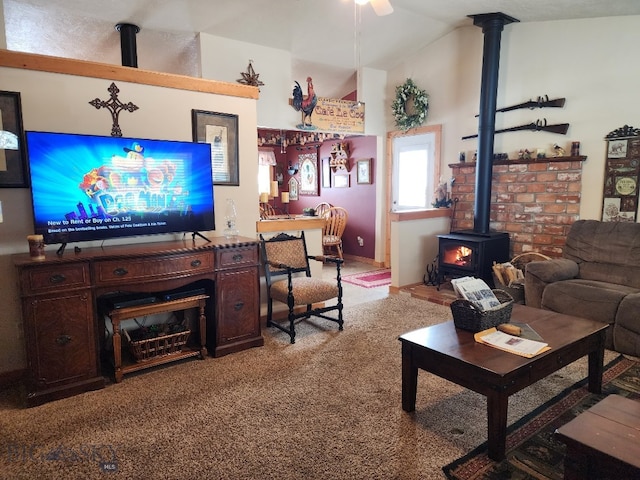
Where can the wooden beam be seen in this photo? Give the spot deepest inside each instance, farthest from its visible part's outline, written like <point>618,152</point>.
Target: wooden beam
<point>43,63</point>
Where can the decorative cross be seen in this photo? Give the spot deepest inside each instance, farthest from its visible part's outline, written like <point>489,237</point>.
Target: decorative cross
<point>115,106</point>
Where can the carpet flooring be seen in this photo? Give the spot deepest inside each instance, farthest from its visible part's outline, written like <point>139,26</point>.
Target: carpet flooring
<point>533,451</point>
<point>326,407</point>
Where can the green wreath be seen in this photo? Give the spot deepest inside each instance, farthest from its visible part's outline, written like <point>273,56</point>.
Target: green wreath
<point>405,93</point>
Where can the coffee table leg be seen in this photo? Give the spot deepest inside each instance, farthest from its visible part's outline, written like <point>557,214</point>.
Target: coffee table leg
<point>497,404</point>
<point>409,379</point>
<point>596,368</point>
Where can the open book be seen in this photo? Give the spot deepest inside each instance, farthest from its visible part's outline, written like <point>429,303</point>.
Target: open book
<point>510,343</point>
<point>476,291</point>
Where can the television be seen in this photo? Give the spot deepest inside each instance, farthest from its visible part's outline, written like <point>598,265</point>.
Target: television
<point>89,187</point>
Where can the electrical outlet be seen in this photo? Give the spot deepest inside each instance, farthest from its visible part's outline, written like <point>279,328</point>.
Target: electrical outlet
<point>360,241</point>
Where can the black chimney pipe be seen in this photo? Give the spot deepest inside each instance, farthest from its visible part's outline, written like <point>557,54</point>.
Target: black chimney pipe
<point>492,25</point>
<point>128,45</point>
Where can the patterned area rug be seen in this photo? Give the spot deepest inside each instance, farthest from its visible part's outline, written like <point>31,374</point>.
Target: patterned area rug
<point>533,451</point>
<point>376,278</point>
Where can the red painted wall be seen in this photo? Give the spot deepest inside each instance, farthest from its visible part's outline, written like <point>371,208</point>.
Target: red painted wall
<point>358,199</point>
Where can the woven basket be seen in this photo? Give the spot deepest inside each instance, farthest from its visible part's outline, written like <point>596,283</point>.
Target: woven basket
<point>158,346</point>
<point>468,317</point>
<point>516,290</point>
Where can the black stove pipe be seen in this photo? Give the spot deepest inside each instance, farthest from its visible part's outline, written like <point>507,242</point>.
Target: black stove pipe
<point>492,25</point>
<point>128,45</point>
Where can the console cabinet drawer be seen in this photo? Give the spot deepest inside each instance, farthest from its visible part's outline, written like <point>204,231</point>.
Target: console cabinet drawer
<point>50,278</point>
<point>236,257</point>
<point>111,272</point>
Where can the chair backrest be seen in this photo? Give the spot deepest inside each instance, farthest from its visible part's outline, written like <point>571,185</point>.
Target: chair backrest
<point>322,207</point>
<point>266,210</point>
<point>284,249</point>
<point>335,221</point>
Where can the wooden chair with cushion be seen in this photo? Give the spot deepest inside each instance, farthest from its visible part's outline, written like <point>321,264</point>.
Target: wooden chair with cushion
<point>335,223</point>
<point>288,278</point>
<point>322,207</point>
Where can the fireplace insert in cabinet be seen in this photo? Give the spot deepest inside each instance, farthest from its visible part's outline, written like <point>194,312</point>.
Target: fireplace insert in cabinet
<point>469,253</point>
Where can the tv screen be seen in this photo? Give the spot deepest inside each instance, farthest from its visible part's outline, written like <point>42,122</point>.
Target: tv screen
<point>87,187</point>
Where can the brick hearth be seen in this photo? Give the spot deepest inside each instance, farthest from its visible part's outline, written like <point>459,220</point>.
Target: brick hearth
<point>534,201</point>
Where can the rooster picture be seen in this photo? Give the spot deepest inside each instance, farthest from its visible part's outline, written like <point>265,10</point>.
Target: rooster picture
<point>303,104</point>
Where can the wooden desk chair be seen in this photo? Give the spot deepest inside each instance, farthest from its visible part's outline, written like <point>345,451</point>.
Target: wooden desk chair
<point>266,210</point>
<point>288,279</point>
<point>322,207</point>
<point>335,223</point>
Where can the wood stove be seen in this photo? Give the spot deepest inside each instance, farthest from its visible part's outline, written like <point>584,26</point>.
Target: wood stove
<point>469,253</point>
<point>473,252</point>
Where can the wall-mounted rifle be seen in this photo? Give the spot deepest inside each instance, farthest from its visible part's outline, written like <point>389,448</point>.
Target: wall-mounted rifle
<point>541,102</point>
<point>538,126</point>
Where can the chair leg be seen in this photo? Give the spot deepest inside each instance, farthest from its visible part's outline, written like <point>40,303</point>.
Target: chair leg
<point>292,327</point>
<point>269,313</point>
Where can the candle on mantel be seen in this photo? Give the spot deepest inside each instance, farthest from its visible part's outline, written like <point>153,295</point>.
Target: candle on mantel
<point>264,197</point>
<point>284,197</point>
<point>274,189</point>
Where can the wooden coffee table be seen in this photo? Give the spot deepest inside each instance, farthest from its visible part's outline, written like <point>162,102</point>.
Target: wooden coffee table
<point>602,442</point>
<point>454,355</point>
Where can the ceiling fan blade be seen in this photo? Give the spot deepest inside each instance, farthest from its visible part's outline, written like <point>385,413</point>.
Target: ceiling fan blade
<point>381,7</point>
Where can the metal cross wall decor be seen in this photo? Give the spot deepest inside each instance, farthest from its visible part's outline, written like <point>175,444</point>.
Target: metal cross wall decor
<point>115,106</point>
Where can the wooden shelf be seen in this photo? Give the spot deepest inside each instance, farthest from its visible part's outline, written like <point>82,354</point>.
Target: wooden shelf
<point>520,161</point>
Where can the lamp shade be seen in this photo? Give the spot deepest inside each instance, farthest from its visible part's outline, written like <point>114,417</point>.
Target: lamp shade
<point>285,197</point>
<point>264,197</point>
<point>274,189</point>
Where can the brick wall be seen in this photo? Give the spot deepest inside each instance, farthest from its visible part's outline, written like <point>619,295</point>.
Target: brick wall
<point>534,201</point>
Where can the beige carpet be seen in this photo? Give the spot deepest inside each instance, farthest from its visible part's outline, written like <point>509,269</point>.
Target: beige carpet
<point>327,407</point>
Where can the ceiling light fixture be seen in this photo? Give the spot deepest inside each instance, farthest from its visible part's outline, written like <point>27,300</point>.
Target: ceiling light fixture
<point>381,7</point>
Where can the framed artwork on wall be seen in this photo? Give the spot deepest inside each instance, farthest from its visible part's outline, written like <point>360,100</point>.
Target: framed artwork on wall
<point>308,173</point>
<point>13,160</point>
<point>341,181</point>
<point>293,189</point>
<point>364,170</point>
<point>220,130</point>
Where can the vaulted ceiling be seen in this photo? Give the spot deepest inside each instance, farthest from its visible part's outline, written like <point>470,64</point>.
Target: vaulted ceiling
<point>318,33</point>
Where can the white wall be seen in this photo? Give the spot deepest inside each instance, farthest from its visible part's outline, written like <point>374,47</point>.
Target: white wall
<point>589,62</point>
<point>59,103</point>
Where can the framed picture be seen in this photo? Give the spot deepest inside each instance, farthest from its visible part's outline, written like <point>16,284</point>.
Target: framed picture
<point>364,170</point>
<point>326,173</point>
<point>341,181</point>
<point>293,189</point>
<point>220,130</point>
<point>13,160</point>
<point>308,173</point>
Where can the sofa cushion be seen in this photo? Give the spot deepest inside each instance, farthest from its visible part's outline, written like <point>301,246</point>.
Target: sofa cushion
<point>586,299</point>
<point>606,251</point>
<point>626,331</point>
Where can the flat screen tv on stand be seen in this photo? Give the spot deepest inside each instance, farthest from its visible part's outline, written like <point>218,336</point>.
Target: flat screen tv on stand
<point>89,187</point>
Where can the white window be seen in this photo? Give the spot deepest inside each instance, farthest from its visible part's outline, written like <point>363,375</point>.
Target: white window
<point>414,170</point>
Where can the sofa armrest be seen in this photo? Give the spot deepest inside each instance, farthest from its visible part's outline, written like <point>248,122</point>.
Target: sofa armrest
<point>539,274</point>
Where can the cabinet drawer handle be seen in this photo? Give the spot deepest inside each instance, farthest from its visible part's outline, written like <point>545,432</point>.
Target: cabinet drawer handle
<point>237,257</point>
<point>120,272</point>
<point>57,278</point>
<point>238,306</point>
<point>63,339</point>
<point>196,263</point>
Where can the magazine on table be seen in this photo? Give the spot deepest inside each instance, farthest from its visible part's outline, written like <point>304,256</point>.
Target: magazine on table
<point>476,291</point>
<point>511,343</point>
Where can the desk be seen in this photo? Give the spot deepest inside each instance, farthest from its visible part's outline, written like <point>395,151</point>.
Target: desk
<point>64,334</point>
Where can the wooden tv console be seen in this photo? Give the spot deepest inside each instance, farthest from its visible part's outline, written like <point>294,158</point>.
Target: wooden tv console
<point>65,335</point>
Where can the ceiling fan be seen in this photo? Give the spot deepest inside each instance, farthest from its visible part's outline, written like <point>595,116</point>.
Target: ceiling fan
<point>381,7</point>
